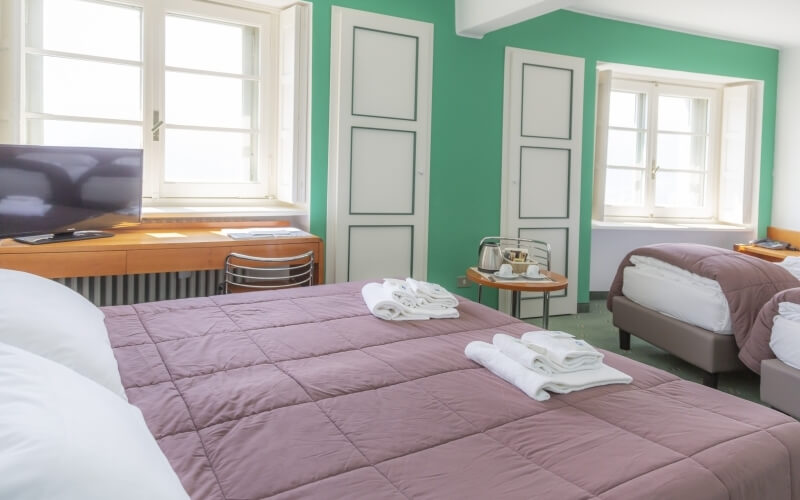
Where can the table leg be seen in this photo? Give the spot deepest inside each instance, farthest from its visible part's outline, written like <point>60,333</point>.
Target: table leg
<point>480,290</point>
<point>515,304</point>
<point>546,311</point>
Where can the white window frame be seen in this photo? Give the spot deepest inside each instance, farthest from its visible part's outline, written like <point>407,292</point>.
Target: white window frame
<point>654,89</point>
<point>157,192</point>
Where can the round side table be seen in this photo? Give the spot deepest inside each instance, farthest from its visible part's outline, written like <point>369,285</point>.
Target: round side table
<point>558,282</point>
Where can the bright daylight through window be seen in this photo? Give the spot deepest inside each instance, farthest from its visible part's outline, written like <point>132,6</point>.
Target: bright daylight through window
<point>193,83</point>
<point>674,151</point>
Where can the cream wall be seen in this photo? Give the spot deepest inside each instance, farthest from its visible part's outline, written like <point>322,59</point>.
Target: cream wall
<point>785,206</point>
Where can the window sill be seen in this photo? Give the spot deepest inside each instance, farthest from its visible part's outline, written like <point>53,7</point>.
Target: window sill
<point>222,211</point>
<point>669,226</point>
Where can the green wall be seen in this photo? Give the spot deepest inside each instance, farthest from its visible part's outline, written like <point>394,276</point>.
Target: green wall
<point>466,142</point>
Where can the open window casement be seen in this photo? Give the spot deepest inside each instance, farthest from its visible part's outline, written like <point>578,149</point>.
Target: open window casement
<point>601,143</point>
<point>739,153</point>
<point>293,104</point>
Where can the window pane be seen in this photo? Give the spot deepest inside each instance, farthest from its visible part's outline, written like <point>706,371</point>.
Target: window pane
<point>626,148</point>
<point>211,46</point>
<point>70,133</point>
<point>63,86</point>
<point>624,187</point>
<point>206,156</point>
<point>85,27</point>
<point>686,152</point>
<point>627,109</point>
<point>233,104</point>
<point>683,114</point>
<point>680,189</point>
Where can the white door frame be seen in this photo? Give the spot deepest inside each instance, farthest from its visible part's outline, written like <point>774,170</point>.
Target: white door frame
<point>343,26</point>
<point>513,142</point>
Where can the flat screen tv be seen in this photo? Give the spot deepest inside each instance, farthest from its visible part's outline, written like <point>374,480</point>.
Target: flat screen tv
<point>53,193</point>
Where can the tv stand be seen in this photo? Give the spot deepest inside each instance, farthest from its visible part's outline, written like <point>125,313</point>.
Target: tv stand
<point>41,239</point>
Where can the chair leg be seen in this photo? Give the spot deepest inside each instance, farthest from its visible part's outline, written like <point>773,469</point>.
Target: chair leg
<point>624,340</point>
<point>711,379</point>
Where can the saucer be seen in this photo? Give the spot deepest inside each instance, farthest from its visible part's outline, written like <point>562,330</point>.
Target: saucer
<point>506,276</point>
<point>536,276</point>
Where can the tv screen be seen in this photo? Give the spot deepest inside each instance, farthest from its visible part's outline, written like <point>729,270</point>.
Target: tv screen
<point>52,189</point>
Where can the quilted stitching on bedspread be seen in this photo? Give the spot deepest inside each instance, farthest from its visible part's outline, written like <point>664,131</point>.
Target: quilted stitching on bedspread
<point>303,394</point>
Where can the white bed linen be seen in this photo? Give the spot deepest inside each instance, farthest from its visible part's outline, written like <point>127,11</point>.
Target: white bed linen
<point>785,339</point>
<point>64,437</point>
<point>677,293</point>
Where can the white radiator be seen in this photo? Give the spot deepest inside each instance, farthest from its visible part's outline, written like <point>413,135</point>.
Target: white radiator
<point>136,288</point>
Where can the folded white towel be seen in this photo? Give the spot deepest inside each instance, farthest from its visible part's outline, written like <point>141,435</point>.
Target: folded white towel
<point>401,292</point>
<point>563,351</point>
<point>490,357</point>
<point>381,304</point>
<point>533,359</point>
<point>431,294</point>
<point>436,312</point>
<point>535,384</point>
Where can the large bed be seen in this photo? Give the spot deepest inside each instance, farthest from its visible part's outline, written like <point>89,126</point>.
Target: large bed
<point>303,394</point>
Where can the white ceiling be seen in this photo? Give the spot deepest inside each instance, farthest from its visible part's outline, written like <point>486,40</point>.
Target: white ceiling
<point>774,23</point>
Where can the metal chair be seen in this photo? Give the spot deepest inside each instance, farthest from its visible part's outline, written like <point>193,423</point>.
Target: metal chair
<point>247,273</point>
<point>539,252</point>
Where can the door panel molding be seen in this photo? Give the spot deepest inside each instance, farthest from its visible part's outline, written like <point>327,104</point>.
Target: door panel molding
<point>543,111</point>
<point>374,59</point>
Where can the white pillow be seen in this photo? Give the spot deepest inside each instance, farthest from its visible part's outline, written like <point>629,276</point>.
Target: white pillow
<point>785,340</point>
<point>63,436</point>
<point>48,319</point>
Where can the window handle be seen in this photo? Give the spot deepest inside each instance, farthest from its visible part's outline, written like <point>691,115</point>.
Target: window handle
<point>653,171</point>
<point>157,124</point>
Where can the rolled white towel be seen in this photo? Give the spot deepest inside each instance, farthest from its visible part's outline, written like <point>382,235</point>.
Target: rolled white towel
<point>490,357</point>
<point>536,385</point>
<point>401,292</point>
<point>431,294</point>
<point>563,351</point>
<point>532,359</point>
<point>381,304</point>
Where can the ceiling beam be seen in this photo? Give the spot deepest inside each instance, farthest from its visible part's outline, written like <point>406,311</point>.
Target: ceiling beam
<point>476,18</point>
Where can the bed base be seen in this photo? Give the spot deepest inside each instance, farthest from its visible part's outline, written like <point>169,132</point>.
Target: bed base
<point>780,386</point>
<point>709,351</point>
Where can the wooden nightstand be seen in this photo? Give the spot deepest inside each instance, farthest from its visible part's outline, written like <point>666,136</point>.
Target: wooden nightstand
<point>773,233</point>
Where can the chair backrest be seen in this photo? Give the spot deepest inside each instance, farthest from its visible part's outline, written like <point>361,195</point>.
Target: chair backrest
<point>248,273</point>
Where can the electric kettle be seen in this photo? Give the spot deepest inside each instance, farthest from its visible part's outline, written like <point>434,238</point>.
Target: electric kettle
<point>490,257</point>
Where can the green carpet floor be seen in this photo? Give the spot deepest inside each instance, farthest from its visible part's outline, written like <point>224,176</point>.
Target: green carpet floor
<point>595,327</point>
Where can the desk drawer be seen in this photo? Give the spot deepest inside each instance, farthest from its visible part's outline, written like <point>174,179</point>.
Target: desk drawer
<point>173,259</point>
<point>66,264</point>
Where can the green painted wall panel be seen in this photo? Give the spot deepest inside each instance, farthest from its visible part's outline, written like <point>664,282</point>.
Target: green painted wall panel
<point>466,132</point>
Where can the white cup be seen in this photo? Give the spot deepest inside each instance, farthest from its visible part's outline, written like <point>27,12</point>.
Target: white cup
<point>505,270</point>
<point>532,271</point>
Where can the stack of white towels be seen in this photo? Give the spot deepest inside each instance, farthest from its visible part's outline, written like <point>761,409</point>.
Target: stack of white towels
<point>542,361</point>
<point>409,299</point>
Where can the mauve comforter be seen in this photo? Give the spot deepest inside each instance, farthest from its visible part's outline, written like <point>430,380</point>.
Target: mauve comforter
<point>756,348</point>
<point>747,282</point>
<point>303,394</point>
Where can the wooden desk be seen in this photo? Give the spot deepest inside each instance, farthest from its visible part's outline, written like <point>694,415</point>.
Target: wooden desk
<point>151,250</point>
<point>558,282</point>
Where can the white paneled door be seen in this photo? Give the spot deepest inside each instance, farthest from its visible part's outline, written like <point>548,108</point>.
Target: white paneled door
<point>542,164</point>
<point>381,70</point>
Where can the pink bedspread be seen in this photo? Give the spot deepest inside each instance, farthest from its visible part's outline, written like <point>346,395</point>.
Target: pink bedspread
<point>303,394</point>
